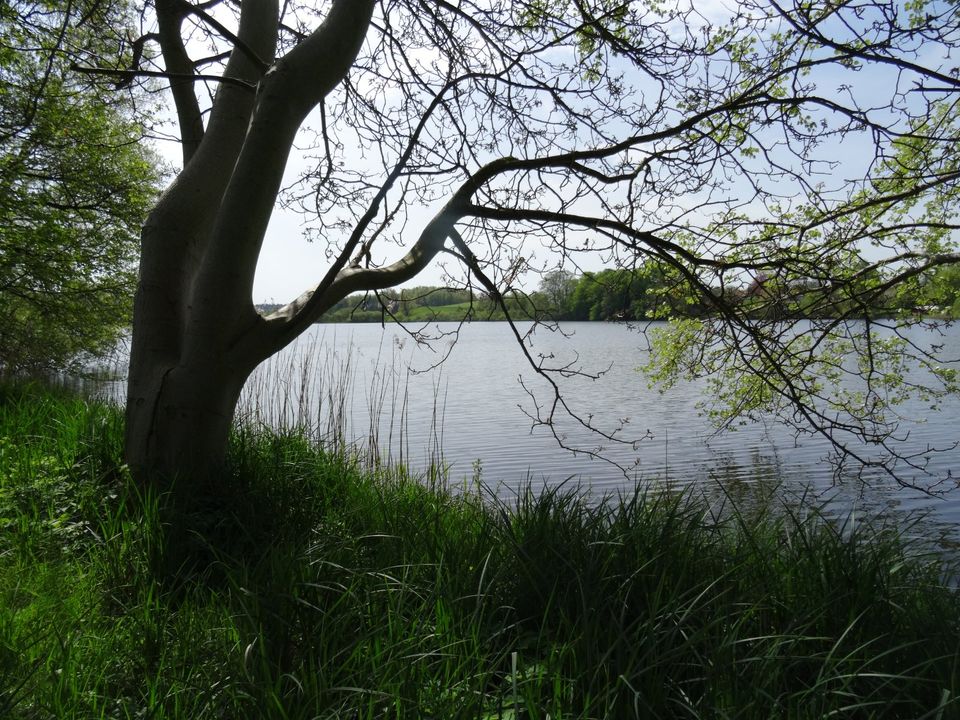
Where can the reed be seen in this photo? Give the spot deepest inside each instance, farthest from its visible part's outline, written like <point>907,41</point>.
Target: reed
<point>329,589</point>
<point>313,390</point>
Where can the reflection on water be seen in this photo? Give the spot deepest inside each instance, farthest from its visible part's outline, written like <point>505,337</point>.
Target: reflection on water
<point>382,391</point>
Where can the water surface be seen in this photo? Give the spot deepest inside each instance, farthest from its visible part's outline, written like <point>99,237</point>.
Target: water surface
<point>467,400</point>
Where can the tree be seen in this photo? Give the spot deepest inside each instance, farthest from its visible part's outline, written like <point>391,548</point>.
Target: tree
<point>75,186</point>
<point>607,295</point>
<point>941,291</point>
<point>557,286</point>
<point>651,291</point>
<point>640,131</point>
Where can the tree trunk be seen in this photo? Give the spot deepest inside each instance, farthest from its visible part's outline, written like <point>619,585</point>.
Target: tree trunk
<point>178,422</point>
<point>197,335</point>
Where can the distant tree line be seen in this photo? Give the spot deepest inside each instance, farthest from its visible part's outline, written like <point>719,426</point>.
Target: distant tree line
<point>428,303</point>
<point>653,292</point>
<point>645,292</point>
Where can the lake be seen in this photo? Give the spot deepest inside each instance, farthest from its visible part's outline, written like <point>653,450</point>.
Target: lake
<point>465,401</point>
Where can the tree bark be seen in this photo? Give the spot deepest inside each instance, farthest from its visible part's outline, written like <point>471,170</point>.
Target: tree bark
<point>178,426</point>
<point>197,336</point>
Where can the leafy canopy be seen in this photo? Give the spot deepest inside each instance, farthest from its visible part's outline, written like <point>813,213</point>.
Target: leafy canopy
<point>75,184</point>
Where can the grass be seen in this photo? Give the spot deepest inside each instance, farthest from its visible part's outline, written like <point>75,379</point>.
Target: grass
<point>320,590</point>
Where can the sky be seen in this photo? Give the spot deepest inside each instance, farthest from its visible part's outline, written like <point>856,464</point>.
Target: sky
<point>290,264</point>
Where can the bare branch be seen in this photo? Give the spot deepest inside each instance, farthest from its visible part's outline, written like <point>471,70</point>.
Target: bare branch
<point>128,76</point>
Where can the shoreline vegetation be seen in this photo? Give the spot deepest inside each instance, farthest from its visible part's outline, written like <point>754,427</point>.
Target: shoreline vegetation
<point>646,293</point>
<point>319,589</point>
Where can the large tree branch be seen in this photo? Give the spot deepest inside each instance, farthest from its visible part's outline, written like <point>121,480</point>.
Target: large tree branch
<point>282,326</point>
<point>199,188</point>
<point>170,16</point>
<point>234,105</point>
<point>573,160</point>
<point>288,92</point>
<point>288,322</point>
<point>342,279</point>
<point>305,75</point>
<point>126,77</point>
<point>376,203</point>
<point>177,233</point>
